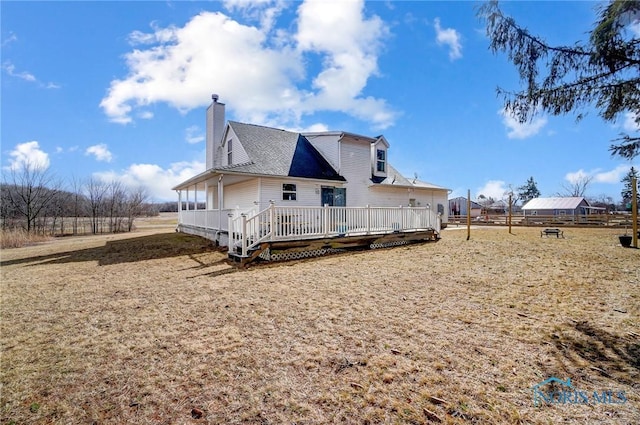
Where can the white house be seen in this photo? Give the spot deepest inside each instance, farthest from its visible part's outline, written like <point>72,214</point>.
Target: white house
<point>285,184</point>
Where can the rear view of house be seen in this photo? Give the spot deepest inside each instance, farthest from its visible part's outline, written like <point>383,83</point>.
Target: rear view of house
<point>252,168</point>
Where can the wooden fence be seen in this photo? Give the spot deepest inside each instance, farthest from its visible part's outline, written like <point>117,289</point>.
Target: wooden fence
<point>588,220</point>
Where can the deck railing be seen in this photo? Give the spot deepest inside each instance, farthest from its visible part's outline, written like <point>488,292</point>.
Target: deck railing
<point>291,223</point>
<point>208,219</point>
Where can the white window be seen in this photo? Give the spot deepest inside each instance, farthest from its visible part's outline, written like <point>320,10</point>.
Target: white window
<point>288,192</point>
<point>381,160</point>
<point>229,151</point>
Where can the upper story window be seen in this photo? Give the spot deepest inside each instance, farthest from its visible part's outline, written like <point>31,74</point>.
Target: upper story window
<point>229,151</point>
<point>288,192</point>
<point>381,160</point>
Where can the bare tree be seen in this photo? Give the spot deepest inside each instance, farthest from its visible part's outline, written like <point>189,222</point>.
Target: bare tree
<point>31,188</point>
<point>135,204</point>
<point>577,188</point>
<point>96,193</point>
<point>78,203</point>
<point>115,204</point>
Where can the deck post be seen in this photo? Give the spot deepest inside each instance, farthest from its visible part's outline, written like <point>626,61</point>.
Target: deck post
<point>368,219</point>
<point>244,234</point>
<point>272,218</point>
<point>401,218</point>
<point>325,220</point>
<point>231,234</point>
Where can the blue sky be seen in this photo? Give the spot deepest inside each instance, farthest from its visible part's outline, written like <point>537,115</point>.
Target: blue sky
<point>118,90</point>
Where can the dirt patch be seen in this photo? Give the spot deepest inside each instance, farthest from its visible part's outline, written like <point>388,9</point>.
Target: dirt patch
<point>156,327</point>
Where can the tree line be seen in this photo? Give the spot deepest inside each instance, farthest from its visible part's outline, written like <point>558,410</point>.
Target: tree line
<point>33,200</point>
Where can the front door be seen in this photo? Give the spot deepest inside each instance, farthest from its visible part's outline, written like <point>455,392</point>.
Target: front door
<point>333,196</point>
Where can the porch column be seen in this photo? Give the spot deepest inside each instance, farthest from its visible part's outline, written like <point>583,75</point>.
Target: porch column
<point>179,206</point>
<point>187,199</point>
<point>220,202</point>
<point>206,205</point>
<point>195,195</point>
<point>206,194</point>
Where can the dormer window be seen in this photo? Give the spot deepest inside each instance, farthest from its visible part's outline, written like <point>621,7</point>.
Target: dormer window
<point>229,151</point>
<point>381,160</point>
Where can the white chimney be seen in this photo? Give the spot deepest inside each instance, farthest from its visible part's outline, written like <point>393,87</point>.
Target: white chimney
<point>215,127</point>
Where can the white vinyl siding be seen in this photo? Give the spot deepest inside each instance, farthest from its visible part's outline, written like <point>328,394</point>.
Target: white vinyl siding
<point>241,195</point>
<point>271,189</point>
<point>394,197</point>
<point>329,147</point>
<point>238,154</point>
<point>355,157</point>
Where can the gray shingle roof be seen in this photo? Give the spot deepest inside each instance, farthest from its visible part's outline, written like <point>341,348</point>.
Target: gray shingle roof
<point>394,178</point>
<point>279,152</point>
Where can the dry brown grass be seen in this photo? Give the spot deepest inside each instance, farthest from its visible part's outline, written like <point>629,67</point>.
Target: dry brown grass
<point>17,238</point>
<point>150,328</point>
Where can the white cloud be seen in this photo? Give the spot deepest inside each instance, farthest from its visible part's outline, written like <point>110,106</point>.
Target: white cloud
<point>314,128</point>
<point>518,130</point>
<point>194,135</point>
<point>100,152</point>
<point>263,11</point>
<point>495,189</point>
<point>156,180</point>
<point>612,176</point>
<point>598,176</point>
<point>12,37</point>
<point>10,69</point>
<point>28,154</point>
<point>630,122</point>
<point>577,176</point>
<point>145,115</point>
<point>264,72</point>
<point>449,37</point>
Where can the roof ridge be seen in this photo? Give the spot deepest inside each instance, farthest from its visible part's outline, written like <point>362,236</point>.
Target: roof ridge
<point>261,126</point>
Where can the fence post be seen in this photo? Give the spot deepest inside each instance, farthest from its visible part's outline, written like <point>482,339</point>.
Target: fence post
<point>401,219</point>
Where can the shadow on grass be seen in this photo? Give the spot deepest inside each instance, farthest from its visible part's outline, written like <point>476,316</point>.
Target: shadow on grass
<point>151,247</point>
<point>610,355</point>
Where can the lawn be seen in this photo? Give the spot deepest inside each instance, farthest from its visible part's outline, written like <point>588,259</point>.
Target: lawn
<point>155,327</point>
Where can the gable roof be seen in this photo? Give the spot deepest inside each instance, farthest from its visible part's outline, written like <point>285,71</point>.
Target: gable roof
<point>555,203</point>
<point>395,179</point>
<point>277,152</point>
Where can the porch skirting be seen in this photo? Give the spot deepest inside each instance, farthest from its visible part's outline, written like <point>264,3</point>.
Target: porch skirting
<point>220,237</point>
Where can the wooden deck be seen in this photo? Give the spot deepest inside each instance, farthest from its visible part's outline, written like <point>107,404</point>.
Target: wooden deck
<point>311,247</point>
<point>277,229</point>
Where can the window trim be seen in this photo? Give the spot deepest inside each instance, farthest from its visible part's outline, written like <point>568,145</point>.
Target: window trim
<point>289,193</point>
<point>230,152</point>
<point>382,161</point>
